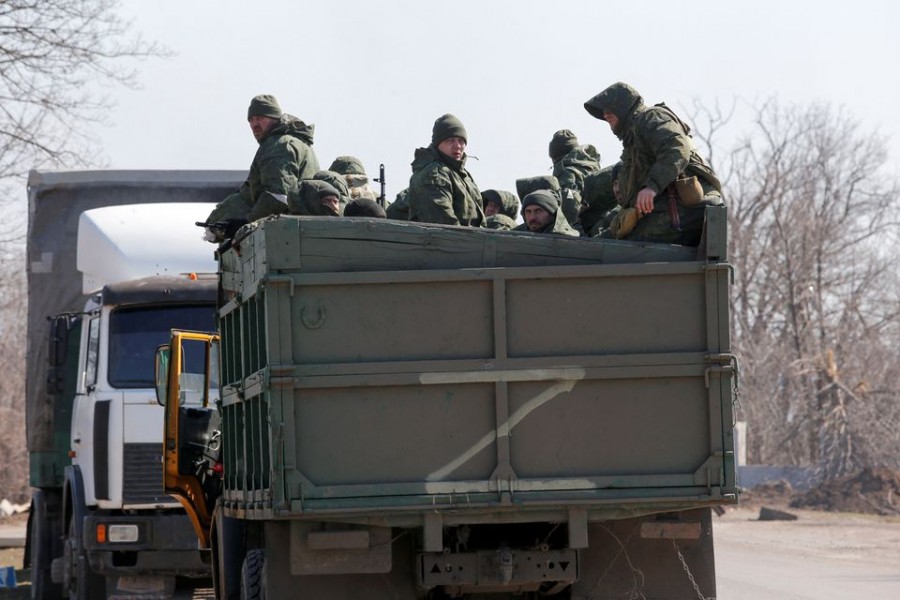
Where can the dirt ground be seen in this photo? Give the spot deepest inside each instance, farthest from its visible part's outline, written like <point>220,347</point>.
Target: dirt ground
<point>871,491</point>
<point>12,557</point>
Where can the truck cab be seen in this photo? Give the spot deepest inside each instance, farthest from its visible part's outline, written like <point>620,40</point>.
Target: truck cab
<point>115,261</point>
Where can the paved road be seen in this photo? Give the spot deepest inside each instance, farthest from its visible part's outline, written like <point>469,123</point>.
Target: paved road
<point>818,557</point>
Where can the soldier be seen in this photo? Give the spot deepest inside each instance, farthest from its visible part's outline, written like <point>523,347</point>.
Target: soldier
<point>441,190</point>
<point>571,164</point>
<point>598,200</point>
<point>500,202</point>
<point>542,214</point>
<point>355,175</point>
<point>284,158</point>
<point>665,184</point>
<point>399,208</point>
<point>338,182</point>
<point>315,197</point>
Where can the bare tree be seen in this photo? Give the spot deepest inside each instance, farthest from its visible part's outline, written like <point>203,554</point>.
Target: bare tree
<point>54,56</point>
<point>14,475</point>
<point>51,54</point>
<point>816,306</point>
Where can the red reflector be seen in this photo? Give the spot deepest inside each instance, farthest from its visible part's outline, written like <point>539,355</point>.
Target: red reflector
<point>218,468</point>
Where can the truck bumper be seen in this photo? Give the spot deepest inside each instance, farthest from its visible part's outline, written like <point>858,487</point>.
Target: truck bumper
<point>160,544</point>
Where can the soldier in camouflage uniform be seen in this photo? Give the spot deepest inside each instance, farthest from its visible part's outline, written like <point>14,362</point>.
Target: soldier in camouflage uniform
<point>355,175</point>
<point>598,200</point>
<point>399,208</point>
<point>571,164</point>
<point>441,190</point>
<point>500,202</point>
<point>337,181</point>
<point>315,197</point>
<point>284,158</point>
<point>657,150</point>
<point>542,213</point>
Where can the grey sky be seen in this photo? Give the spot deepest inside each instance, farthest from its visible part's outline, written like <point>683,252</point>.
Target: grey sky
<point>373,76</point>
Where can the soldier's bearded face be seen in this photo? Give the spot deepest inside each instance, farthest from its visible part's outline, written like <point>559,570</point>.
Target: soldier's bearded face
<point>536,217</point>
<point>454,147</point>
<point>260,126</point>
<point>331,204</point>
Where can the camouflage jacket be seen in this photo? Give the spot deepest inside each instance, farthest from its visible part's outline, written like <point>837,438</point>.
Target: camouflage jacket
<point>441,190</point>
<point>570,171</point>
<point>399,208</point>
<point>597,200</point>
<point>284,158</point>
<point>509,203</point>
<point>500,222</point>
<point>656,146</point>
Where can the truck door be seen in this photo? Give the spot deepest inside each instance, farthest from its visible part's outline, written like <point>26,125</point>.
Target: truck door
<point>187,384</point>
<point>83,409</point>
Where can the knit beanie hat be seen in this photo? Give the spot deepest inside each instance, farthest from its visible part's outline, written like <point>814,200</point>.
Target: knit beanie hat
<point>563,142</point>
<point>264,105</point>
<point>325,189</point>
<point>335,180</point>
<point>446,127</point>
<point>543,198</point>
<point>364,207</point>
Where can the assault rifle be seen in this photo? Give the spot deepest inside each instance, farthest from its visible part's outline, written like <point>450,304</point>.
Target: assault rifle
<point>382,200</point>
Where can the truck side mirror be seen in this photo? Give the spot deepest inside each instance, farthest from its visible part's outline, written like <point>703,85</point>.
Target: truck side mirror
<point>162,373</point>
<point>59,341</point>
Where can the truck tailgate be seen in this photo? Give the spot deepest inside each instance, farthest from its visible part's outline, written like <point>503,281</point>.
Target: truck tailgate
<point>562,372</point>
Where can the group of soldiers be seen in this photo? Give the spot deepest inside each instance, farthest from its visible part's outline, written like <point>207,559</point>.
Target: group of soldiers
<point>656,192</point>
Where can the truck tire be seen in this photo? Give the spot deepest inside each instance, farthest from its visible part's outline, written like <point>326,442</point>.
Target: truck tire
<point>226,544</point>
<point>253,576</point>
<point>43,529</point>
<point>81,582</point>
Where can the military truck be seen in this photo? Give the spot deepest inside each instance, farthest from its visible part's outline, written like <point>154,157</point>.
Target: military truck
<point>402,410</point>
<point>109,253</point>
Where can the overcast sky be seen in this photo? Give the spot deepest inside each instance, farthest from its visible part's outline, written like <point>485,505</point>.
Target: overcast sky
<point>373,76</point>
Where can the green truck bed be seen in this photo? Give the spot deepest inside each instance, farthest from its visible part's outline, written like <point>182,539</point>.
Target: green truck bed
<point>398,369</point>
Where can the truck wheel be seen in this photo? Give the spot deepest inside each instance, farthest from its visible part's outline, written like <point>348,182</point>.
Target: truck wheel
<point>81,582</point>
<point>42,531</point>
<point>226,545</point>
<point>253,576</point>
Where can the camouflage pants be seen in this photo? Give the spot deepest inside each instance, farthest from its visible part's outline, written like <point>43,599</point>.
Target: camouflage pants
<point>658,225</point>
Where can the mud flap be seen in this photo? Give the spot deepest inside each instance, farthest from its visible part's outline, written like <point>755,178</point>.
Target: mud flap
<point>668,555</point>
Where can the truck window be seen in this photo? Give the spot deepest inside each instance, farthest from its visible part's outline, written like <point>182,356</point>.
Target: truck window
<point>93,345</point>
<point>135,333</point>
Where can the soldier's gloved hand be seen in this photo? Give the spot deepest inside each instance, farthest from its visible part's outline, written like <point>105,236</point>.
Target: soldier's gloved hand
<point>232,226</point>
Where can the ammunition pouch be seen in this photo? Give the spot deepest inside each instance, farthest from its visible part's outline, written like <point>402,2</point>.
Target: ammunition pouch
<point>688,191</point>
<point>623,222</point>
